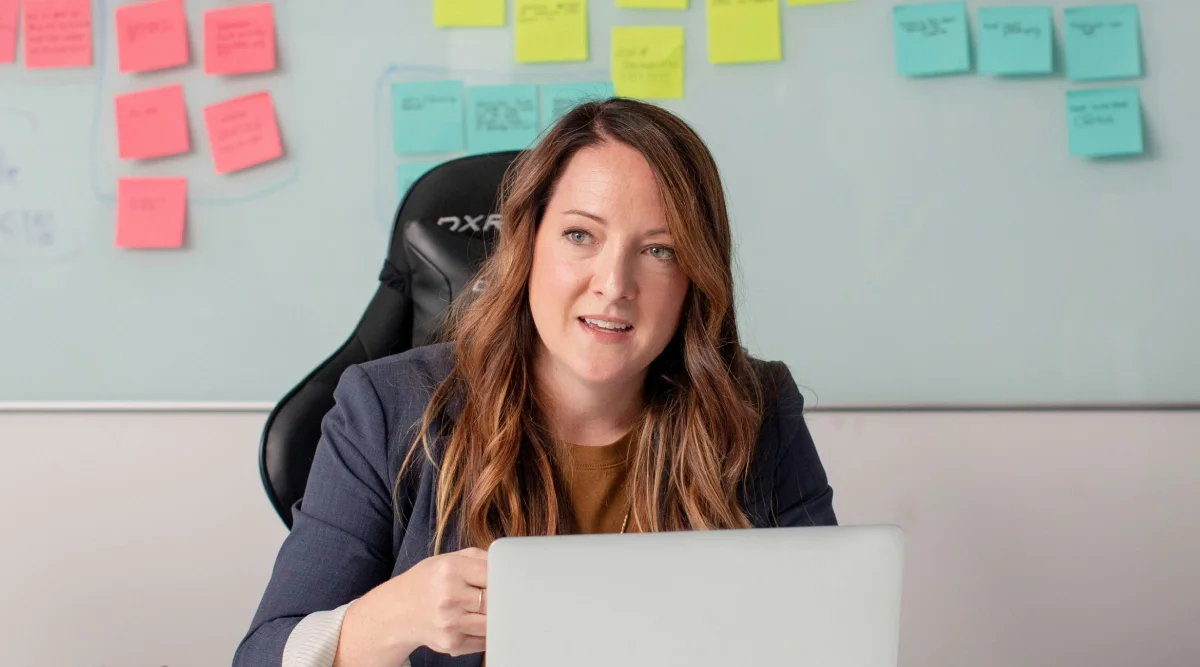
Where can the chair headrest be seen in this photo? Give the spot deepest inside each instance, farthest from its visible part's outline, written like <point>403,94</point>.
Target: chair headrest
<point>445,227</point>
<point>443,230</point>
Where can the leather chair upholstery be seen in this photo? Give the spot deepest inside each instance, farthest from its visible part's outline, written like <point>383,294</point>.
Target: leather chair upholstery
<point>444,227</point>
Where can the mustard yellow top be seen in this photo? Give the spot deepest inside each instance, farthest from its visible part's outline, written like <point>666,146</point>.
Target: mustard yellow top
<point>596,480</point>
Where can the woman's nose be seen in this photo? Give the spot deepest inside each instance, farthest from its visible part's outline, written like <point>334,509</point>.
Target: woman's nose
<point>613,276</point>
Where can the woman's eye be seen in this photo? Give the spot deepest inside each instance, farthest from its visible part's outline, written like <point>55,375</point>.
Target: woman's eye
<point>662,252</point>
<point>576,236</point>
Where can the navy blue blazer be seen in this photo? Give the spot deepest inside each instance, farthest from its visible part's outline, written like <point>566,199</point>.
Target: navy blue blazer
<point>347,537</point>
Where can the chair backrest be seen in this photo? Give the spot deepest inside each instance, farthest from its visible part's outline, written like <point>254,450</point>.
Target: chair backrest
<point>444,228</point>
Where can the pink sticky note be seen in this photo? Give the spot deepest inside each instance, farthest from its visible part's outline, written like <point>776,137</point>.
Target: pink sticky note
<point>58,33</point>
<point>151,35</point>
<point>151,123</point>
<point>9,15</point>
<point>150,212</point>
<point>242,132</point>
<point>239,40</point>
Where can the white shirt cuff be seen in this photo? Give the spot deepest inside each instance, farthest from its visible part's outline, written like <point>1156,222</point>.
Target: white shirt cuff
<point>314,640</point>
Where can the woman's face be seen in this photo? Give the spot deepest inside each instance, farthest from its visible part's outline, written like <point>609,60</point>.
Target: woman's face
<point>605,289</point>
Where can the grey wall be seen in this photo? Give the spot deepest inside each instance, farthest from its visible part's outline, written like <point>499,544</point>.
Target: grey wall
<point>1035,539</point>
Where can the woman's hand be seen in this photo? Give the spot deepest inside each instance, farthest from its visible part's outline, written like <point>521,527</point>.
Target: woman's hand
<point>437,603</point>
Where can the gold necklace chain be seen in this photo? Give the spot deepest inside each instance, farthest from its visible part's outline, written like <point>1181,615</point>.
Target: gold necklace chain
<point>625,522</point>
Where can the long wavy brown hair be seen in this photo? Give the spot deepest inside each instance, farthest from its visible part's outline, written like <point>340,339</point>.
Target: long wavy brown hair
<point>694,439</point>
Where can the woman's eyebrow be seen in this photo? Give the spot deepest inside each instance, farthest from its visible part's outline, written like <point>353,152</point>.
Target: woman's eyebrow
<point>657,231</point>
<point>593,216</point>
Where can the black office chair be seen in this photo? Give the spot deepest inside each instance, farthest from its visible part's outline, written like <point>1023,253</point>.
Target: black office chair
<point>445,226</point>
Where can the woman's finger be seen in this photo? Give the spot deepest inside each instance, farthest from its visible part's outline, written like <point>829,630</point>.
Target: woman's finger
<point>473,625</point>
<point>474,571</point>
<point>473,552</point>
<point>473,599</point>
<point>472,645</point>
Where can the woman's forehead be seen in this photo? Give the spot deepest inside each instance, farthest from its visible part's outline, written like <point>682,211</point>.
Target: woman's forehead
<point>610,177</point>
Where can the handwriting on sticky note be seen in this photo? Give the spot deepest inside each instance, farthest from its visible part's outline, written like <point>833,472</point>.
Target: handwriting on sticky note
<point>151,36</point>
<point>427,117</point>
<point>931,38</point>
<point>151,212</point>
<point>653,4</point>
<point>647,61</point>
<point>550,30</point>
<point>151,123</point>
<point>1016,40</point>
<point>10,11</point>
<point>1102,42</point>
<point>242,132</point>
<point>239,40</point>
<point>1105,122</point>
<point>58,33</point>
<point>559,98</point>
<point>743,31</point>
<point>501,118</point>
<point>451,13</point>
<point>1007,24</point>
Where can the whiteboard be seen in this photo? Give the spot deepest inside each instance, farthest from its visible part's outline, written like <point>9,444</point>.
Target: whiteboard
<point>900,242</point>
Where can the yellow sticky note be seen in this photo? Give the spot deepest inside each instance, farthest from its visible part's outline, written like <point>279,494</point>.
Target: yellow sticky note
<point>647,61</point>
<point>551,30</point>
<point>743,31</point>
<point>457,13</point>
<point>815,2</point>
<point>652,4</point>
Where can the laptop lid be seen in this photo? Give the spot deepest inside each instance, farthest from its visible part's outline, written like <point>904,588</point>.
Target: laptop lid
<point>825,596</point>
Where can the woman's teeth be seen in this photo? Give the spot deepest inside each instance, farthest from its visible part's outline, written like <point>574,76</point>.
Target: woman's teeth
<point>610,326</point>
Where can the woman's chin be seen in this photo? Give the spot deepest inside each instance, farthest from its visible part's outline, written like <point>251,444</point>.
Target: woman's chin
<point>602,373</point>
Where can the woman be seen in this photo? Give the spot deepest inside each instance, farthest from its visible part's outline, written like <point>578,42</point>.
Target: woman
<point>596,384</point>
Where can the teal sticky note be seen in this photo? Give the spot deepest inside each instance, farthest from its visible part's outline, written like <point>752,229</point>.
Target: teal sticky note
<point>427,117</point>
<point>1102,42</point>
<point>559,98</point>
<point>407,173</point>
<point>1016,40</point>
<point>931,38</point>
<point>501,118</point>
<point>1105,122</point>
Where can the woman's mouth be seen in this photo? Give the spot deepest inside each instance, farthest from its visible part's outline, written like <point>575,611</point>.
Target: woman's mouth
<point>606,330</point>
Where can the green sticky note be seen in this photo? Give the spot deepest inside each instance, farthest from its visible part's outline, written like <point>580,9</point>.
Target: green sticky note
<point>1105,122</point>
<point>559,98</point>
<point>427,117</point>
<point>931,38</point>
<point>652,4</point>
<point>550,30</point>
<point>743,31</point>
<point>452,13</point>
<point>407,173</point>
<point>1016,40</point>
<point>1102,43</point>
<point>647,61</point>
<point>501,118</point>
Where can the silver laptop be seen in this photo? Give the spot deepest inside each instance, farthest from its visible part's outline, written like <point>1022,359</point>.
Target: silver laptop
<point>810,597</point>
